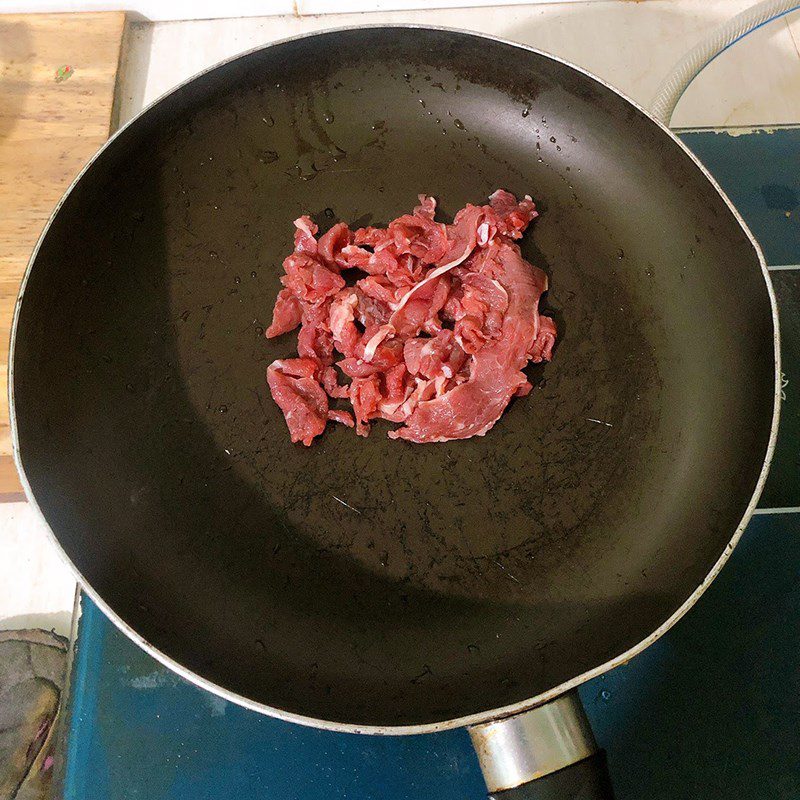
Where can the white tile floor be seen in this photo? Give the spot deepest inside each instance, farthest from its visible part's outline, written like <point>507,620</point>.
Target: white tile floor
<point>630,44</point>
<point>37,589</point>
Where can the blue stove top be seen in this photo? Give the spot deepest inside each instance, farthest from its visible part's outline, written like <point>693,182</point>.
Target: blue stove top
<point>712,710</point>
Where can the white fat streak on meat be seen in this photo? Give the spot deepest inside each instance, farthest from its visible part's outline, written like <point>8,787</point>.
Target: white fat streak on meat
<point>502,289</point>
<point>343,310</point>
<point>426,207</point>
<point>431,276</point>
<point>429,349</point>
<point>399,411</point>
<point>454,261</point>
<point>415,396</point>
<point>498,192</point>
<point>345,418</point>
<point>302,224</point>
<point>372,345</point>
<point>474,279</point>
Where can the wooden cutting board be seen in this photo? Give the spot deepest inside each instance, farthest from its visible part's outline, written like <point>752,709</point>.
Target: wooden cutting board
<point>57,78</point>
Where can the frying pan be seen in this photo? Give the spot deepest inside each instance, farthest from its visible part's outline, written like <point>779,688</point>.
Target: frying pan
<point>373,585</point>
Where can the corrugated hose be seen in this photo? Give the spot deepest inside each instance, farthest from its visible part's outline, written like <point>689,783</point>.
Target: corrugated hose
<point>702,54</point>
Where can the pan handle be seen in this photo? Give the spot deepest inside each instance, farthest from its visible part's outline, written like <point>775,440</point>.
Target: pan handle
<point>548,753</point>
<point>586,780</point>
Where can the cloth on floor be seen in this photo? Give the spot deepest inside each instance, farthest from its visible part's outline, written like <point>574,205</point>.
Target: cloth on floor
<point>32,672</point>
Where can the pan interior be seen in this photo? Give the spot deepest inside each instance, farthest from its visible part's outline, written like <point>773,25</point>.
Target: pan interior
<point>366,581</point>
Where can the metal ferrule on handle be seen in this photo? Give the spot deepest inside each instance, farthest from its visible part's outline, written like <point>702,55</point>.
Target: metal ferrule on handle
<point>522,748</point>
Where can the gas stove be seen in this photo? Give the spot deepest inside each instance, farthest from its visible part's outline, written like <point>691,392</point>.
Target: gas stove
<point>709,711</point>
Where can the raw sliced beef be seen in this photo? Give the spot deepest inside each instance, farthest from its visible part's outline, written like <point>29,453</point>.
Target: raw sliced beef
<point>472,407</point>
<point>432,329</point>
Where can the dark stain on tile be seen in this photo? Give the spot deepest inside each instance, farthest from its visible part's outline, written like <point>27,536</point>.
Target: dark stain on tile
<point>779,196</point>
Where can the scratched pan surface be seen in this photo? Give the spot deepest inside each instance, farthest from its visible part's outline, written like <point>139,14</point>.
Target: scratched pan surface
<point>367,581</point>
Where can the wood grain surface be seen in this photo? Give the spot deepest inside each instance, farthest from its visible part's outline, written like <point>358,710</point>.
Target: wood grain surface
<point>57,78</point>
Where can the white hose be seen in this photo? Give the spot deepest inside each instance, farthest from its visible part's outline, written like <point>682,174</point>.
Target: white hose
<point>721,38</point>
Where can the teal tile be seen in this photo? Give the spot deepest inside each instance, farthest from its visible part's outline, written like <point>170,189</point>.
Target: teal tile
<point>783,484</point>
<point>760,172</point>
<point>712,710</point>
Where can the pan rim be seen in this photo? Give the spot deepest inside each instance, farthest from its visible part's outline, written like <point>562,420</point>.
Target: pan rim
<point>480,716</point>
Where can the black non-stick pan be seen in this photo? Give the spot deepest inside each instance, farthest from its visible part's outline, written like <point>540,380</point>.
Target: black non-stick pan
<point>367,584</point>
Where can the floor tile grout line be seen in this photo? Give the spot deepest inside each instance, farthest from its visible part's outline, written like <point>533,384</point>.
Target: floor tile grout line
<point>791,32</point>
<point>783,510</point>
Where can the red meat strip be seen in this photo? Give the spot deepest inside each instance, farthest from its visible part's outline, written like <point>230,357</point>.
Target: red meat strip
<point>308,280</point>
<point>418,235</point>
<point>304,236</point>
<point>286,315</point>
<point>332,244</point>
<point>300,397</point>
<point>514,216</point>
<point>432,329</point>
<point>439,358</point>
<point>342,321</point>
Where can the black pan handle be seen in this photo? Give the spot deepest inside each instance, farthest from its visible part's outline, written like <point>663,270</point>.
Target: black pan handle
<point>585,780</point>
<point>547,753</point>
